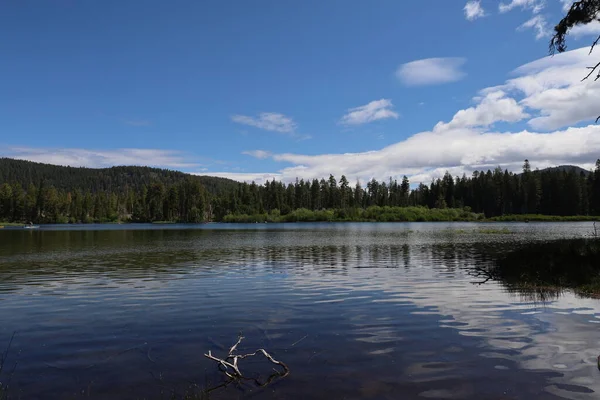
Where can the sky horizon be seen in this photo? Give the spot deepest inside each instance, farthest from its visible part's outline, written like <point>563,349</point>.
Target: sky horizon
<point>274,90</point>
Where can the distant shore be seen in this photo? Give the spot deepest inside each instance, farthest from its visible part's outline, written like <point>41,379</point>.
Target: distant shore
<point>374,214</point>
<point>11,224</point>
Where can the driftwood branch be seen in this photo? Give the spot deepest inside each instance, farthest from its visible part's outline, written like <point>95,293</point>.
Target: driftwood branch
<point>229,364</point>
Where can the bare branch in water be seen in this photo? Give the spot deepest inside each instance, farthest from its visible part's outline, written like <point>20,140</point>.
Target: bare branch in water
<point>3,358</point>
<point>480,272</point>
<point>4,355</point>
<point>229,364</point>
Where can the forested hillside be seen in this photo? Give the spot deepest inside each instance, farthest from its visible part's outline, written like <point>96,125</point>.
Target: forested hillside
<point>44,193</point>
<point>115,179</point>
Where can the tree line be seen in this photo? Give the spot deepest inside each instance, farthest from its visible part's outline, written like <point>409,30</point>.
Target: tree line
<point>185,201</point>
<point>563,191</point>
<point>566,191</point>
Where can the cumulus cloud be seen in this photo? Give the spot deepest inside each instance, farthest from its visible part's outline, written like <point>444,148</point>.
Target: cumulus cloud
<point>593,28</point>
<point>473,10</point>
<point>540,113</point>
<point>493,107</point>
<point>373,111</point>
<point>100,158</point>
<point>553,87</point>
<point>547,94</point>
<point>268,121</point>
<point>431,71</point>
<point>429,154</point>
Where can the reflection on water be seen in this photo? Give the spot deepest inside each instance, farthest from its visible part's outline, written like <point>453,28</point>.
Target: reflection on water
<point>355,310</point>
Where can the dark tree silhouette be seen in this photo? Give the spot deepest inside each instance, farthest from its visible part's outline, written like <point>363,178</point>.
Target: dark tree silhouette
<point>581,13</point>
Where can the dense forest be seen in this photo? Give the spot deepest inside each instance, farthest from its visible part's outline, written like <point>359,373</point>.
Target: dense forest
<point>42,193</point>
<point>112,180</point>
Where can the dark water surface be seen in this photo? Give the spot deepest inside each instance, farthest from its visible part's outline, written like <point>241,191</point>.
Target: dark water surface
<point>357,311</point>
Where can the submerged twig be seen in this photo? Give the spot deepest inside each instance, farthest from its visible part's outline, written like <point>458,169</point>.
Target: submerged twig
<point>4,355</point>
<point>298,341</point>
<point>3,358</point>
<point>481,272</point>
<point>229,365</point>
<point>315,355</point>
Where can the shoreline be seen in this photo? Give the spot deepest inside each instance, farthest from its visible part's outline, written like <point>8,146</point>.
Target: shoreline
<point>494,220</point>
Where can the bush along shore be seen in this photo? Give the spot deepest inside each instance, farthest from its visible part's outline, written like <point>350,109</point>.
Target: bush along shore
<point>371,214</point>
<point>396,214</point>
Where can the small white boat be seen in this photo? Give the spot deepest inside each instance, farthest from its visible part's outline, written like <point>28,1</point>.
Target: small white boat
<point>31,226</point>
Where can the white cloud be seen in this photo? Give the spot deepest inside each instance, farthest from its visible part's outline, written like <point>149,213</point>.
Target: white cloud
<point>535,5</point>
<point>431,71</point>
<point>538,7</point>
<point>100,158</point>
<point>538,24</point>
<point>257,153</point>
<point>567,4</point>
<point>373,111</point>
<point>547,94</point>
<point>553,88</point>
<point>429,154</point>
<point>493,107</point>
<point>593,28</point>
<point>268,121</point>
<point>258,177</point>
<point>473,10</point>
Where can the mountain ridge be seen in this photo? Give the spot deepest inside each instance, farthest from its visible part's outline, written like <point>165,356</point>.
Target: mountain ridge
<point>113,178</point>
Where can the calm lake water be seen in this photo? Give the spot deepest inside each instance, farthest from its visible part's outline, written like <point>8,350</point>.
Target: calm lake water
<point>357,311</point>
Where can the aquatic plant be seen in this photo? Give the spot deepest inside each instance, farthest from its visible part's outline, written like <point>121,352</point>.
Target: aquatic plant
<point>571,264</point>
<point>494,231</point>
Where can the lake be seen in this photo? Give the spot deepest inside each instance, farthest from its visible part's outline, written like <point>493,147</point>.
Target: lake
<point>356,310</point>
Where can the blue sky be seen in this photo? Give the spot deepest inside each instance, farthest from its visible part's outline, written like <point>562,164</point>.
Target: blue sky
<point>256,89</point>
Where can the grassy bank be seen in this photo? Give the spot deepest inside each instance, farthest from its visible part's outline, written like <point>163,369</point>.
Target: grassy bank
<point>371,214</point>
<point>11,224</point>
<point>563,264</point>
